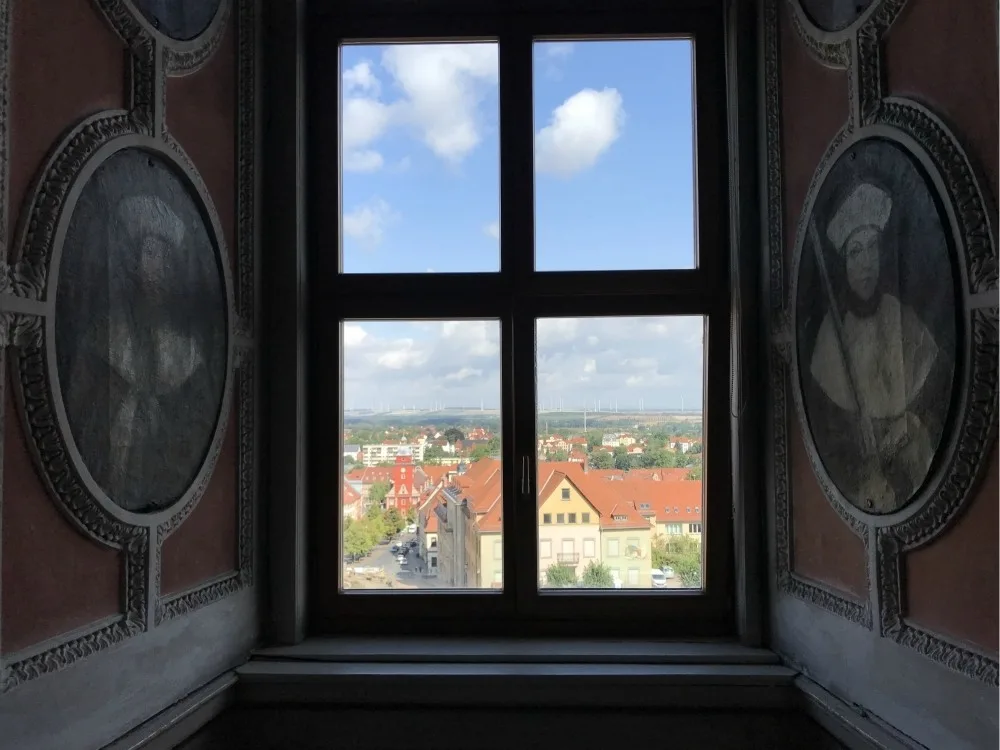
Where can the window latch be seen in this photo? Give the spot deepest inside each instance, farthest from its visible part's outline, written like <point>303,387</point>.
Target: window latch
<point>525,479</point>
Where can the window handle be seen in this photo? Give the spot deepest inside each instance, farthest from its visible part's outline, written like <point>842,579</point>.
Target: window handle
<point>525,479</point>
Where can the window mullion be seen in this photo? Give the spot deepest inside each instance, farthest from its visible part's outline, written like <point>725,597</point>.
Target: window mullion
<point>517,222</point>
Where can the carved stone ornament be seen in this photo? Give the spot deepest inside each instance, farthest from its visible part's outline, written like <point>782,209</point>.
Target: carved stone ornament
<point>829,28</point>
<point>188,30</point>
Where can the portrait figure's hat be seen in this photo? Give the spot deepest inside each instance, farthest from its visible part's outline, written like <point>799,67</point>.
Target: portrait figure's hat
<point>867,206</point>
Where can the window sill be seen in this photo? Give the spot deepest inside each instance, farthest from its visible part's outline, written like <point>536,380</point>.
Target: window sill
<point>495,673</point>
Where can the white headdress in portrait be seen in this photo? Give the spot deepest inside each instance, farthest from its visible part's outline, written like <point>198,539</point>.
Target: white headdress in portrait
<point>867,205</point>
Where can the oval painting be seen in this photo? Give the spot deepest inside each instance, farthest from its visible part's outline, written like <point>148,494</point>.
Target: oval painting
<point>140,331</point>
<point>834,15</point>
<point>876,326</point>
<point>182,20</point>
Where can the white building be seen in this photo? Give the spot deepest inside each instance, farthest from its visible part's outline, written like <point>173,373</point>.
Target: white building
<point>386,452</point>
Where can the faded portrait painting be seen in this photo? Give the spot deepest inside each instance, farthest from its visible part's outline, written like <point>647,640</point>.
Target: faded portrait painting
<point>876,326</point>
<point>834,15</point>
<point>141,331</point>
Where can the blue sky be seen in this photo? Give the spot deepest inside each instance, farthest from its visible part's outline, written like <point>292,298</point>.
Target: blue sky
<point>613,189</point>
<point>613,143</point>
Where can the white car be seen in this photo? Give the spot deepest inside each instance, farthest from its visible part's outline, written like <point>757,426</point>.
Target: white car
<point>401,559</point>
<point>668,571</point>
<point>658,578</point>
<point>411,529</point>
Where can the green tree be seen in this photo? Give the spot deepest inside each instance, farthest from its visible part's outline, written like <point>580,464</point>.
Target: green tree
<point>695,473</point>
<point>600,460</point>
<point>394,522</point>
<point>594,438</point>
<point>558,456</point>
<point>453,435</point>
<point>560,576</point>
<point>493,444</point>
<point>623,461</point>
<point>411,515</point>
<point>695,449</point>
<point>597,575</point>
<point>356,541</point>
<point>433,454</point>
<point>479,452</point>
<point>377,493</point>
<point>680,553</point>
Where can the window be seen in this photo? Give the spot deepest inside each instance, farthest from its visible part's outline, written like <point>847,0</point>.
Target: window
<point>674,528</point>
<point>694,528</point>
<point>525,271</point>
<point>633,576</point>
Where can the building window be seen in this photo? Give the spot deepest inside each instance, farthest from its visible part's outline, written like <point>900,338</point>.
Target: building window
<point>674,529</point>
<point>694,528</point>
<point>434,562</point>
<point>480,281</point>
<point>633,576</point>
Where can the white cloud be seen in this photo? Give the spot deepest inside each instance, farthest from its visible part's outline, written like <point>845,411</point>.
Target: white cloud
<point>354,335</point>
<point>493,229</point>
<point>558,50</point>
<point>402,355</point>
<point>657,360</point>
<point>367,223</point>
<point>581,129</point>
<point>363,161</point>
<point>364,121</point>
<point>443,85</point>
<point>464,374</point>
<point>361,78</point>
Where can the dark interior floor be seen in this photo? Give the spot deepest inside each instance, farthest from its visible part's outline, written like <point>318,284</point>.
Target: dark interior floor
<point>467,729</point>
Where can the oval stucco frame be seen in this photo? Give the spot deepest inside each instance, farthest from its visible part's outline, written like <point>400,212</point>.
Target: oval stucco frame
<point>930,510</point>
<point>38,389</point>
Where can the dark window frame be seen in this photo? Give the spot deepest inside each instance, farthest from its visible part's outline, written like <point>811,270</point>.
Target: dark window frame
<point>517,295</point>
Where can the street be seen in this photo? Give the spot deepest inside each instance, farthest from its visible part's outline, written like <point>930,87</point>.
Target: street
<point>409,575</point>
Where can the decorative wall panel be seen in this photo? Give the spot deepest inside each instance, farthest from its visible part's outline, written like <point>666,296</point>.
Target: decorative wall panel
<point>132,364</point>
<point>887,336</point>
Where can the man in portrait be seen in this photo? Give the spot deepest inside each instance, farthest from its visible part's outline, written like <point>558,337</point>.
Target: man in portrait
<point>872,353</point>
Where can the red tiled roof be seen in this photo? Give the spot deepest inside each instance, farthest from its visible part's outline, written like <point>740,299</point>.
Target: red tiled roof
<point>672,502</point>
<point>436,473</point>
<point>351,495</point>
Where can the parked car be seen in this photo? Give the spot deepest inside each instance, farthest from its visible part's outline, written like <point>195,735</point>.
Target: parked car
<point>668,571</point>
<point>394,549</point>
<point>411,529</point>
<point>401,559</point>
<point>658,578</point>
<point>414,543</point>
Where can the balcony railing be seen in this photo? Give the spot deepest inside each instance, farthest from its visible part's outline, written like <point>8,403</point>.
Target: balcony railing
<point>568,558</point>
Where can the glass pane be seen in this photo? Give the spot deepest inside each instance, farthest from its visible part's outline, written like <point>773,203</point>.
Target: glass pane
<point>421,452</point>
<point>621,503</point>
<point>420,158</point>
<point>614,155</point>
